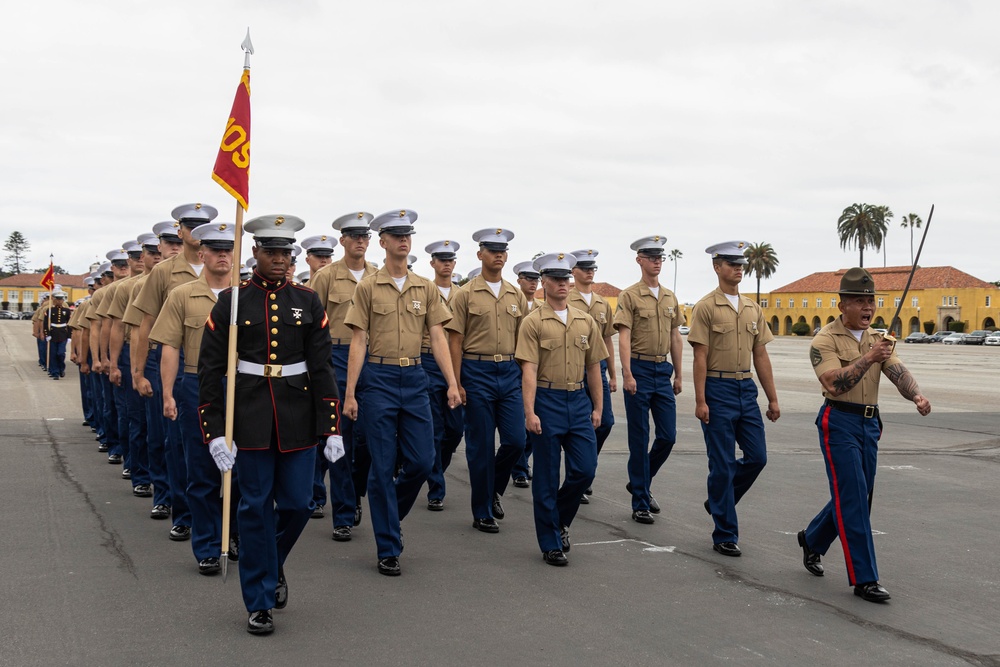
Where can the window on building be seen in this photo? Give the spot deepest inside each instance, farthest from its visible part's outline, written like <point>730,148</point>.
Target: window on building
<point>956,300</point>
<point>944,301</point>
<point>777,303</point>
<point>987,300</point>
<point>881,302</point>
<point>763,302</point>
<point>14,296</point>
<point>915,302</point>
<point>833,302</point>
<point>29,296</point>
<point>896,302</point>
<point>819,303</point>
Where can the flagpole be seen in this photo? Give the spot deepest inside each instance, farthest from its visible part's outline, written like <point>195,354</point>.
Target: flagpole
<point>48,343</point>
<point>247,47</point>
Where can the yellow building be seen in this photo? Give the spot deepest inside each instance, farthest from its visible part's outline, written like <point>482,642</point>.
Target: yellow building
<point>938,296</point>
<point>22,292</point>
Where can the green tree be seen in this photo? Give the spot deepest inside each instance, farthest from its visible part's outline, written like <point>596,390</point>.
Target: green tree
<point>762,262</point>
<point>911,220</point>
<point>675,257</point>
<point>56,269</point>
<point>17,248</point>
<point>864,226</point>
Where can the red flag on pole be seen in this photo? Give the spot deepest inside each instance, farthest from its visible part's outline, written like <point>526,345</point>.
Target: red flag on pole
<point>232,166</point>
<point>49,279</point>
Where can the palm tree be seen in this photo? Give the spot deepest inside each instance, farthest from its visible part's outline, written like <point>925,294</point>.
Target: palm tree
<point>675,256</point>
<point>863,225</point>
<point>762,261</point>
<point>911,220</point>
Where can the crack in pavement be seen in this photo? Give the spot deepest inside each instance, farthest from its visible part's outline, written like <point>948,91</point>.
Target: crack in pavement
<point>111,541</point>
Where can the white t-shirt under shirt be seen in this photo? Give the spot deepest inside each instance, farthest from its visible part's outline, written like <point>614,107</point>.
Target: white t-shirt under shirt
<point>216,291</point>
<point>587,296</point>
<point>445,291</point>
<point>495,287</point>
<point>197,268</point>
<point>562,314</point>
<point>399,282</point>
<point>358,275</point>
<point>734,299</point>
<point>857,333</point>
<point>655,291</point>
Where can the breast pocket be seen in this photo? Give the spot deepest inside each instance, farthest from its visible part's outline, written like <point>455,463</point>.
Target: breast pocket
<point>646,319</point>
<point>336,301</point>
<point>417,309</point>
<point>722,336</point>
<point>384,320</point>
<point>290,334</point>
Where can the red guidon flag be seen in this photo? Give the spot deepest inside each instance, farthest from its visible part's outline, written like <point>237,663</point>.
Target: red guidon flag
<point>232,166</point>
<point>49,279</point>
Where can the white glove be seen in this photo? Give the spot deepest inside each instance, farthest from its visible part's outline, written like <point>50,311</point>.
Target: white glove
<point>334,450</point>
<point>48,338</point>
<point>224,459</point>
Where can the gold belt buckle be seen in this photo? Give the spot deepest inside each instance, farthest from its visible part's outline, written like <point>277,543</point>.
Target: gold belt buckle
<point>497,358</point>
<point>571,386</point>
<point>404,362</point>
<point>869,411</point>
<point>272,370</point>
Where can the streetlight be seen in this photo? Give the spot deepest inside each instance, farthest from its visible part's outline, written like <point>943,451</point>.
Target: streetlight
<point>920,324</point>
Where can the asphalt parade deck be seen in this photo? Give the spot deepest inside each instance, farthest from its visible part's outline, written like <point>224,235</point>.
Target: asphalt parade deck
<point>91,580</point>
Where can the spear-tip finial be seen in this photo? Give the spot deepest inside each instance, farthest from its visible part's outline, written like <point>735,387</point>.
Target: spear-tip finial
<point>247,47</point>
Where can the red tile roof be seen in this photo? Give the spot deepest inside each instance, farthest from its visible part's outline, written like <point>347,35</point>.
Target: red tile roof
<point>29,280</point>
<point>890,278</point>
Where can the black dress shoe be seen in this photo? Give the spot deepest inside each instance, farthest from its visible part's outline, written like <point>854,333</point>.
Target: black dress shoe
<point>126,473</point>
<point>642,516</point>
<point>115,459</point>
<point>180,533</point>
<point>498,512</point>
<point>159,512</point>
<point>435,504</point>
<point>281,590</point>
<point>317,513</point>
<point>389,566</point>
<point>102,448</point>
<point>872,592</point>
<point>209,566</point>
<point>708,509</point>
<point>555,557</point>
<point>584,500</point>
<point>341,533</point>
<point>85,423</point>
<point>486,525</point>
<point>654,506</point>
<point>521,482</point>
<point>260,622</point>
<point>564,538</point>
<point>142,491</point>
<point>358,512</point>
<point>809,557</point>
<point>727,549</point>
<point>234,549</point>
<point>589,491</point>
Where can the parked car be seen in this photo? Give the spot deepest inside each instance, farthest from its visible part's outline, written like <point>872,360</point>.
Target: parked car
<point>993,339</point>
<point>882,331</point>
<point>977,337</point>
<point>954,338</point>
<point>26,315</point>
<point>917,337</point>
<point>684,330</point>
<point>938,336</point>
<point>7,315</point>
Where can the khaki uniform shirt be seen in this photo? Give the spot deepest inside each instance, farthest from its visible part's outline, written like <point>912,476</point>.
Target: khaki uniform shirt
<point>83,321</point>
<point>488,323</point>
<point>74,322</point>
<point>165,276</point>
<point>181,322</point>
<point>836,347</point>
<point>396,320</point>
<point>109,298</point>
<point>598,308</point>
<point>425,344</point>
<point>334,284</point>
<point>651,320</point>
<point>133,316</point>
<point>730,336</point>
<point>39,313</point>
<point>93,313</point>
<point>561,351</point>
<point>119,302</point>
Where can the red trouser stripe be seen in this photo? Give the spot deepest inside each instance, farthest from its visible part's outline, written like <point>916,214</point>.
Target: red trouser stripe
<point>836,496</point>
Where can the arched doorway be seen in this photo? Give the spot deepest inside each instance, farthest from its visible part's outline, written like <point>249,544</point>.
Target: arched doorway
<point>989,323</point>
<point>830,319</point>
<point>897,328</point>
<point>774,325</point>
<point>816,323</point>
<point>947,323</point>
<point>788,326</point>
<point>879,323</point>
<point>914,325</point>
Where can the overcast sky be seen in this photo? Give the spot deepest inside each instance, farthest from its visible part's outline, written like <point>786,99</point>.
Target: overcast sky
<point>573,124</point>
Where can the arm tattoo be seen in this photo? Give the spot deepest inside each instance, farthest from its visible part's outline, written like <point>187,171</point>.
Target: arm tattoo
<point>850,376</point>
<point>904,381</point>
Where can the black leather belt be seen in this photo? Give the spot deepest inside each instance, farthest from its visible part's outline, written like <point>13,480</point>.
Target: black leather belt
<point>489,357</point>
<point>866,411</point>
